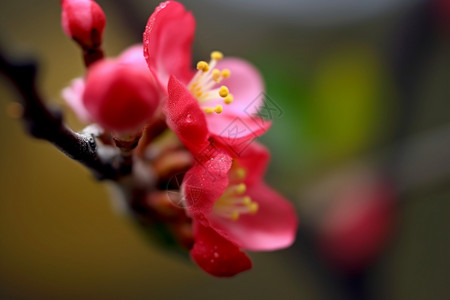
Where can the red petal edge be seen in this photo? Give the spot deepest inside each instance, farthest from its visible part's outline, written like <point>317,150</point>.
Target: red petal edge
<point>216,255</point>
<point>168,40</point>
<point>206,181</point>
<point>185,117</point>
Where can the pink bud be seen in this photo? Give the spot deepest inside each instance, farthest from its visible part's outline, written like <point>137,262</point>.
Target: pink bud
<point>120,96</point>
<point>84,21</point>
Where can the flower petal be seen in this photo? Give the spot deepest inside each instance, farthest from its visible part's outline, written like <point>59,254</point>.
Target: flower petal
<point>185,117</point>
<point>168,39</point>
<point>272,227</point>
<point>133,55</point>
<point>206,181</point>
<point>254,160</point>
<point>73,95</point>
<point>236,133</point>
<point>245,84</point>
<point>216,255</point>
<point>120,96</point>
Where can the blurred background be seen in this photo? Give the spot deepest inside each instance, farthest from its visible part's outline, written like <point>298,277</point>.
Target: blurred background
<point>358,91</point>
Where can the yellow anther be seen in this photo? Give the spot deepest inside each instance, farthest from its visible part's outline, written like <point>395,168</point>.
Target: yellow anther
<point>203,65</point>
<point>240,189</point>
<point>199,94</point>
<point>228,99</point>
<point>240,173</point>
<point>234,216</point>
<point>218,109</point>
<point>216,55</point>
<point>247,201</point>
<point>223,92</point>
<point>216,75</point>
<point>226,73</point>
<point>253,207</point>
<point>198,89</point>
<point>208,110</point>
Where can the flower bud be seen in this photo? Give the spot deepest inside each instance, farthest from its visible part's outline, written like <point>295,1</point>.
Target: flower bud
<point>120,96</point>
<point>83,21</point>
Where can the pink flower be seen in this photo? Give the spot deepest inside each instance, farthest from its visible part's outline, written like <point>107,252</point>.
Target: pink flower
<point>224,88</point>
<point>84,21</point>
<point>234,210</point>
<point>119,94</point>
<point>231,206</point>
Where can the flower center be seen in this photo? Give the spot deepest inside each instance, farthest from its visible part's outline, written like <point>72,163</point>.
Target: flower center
<point>204,84</point>
<point>233,201</point>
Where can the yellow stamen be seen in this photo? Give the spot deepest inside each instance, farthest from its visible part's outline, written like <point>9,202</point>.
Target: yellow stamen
<point>253,206</point>
<point>203,65</point>
<point>218,109</point>
<point>226,73</point>
<point>223,92</point>
<point>208,110</point>
<point>216,75</point>
<point>228,99</point>
<point>240,173</point>
<point>241,188</point>
<point>204,84</point>
<point>234,216</point>
<point>216,55</point>
<point>247,201</point>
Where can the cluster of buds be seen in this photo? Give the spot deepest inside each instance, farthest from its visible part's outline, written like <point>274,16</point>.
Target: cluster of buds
<point>189,181</point>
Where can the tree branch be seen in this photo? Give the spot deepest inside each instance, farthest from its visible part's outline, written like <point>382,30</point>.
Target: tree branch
<point>47,124</point>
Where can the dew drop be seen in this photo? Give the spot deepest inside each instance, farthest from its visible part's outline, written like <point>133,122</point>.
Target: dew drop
<point>216,255</point>
<point>188,118</point>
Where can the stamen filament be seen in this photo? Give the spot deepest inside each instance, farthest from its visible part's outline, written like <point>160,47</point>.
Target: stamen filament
<point>207,77</point>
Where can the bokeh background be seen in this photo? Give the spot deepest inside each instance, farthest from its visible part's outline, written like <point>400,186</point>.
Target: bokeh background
<point>360,143</point>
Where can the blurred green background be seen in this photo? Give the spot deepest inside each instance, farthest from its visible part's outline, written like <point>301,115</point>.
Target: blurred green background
<point>363,91</point>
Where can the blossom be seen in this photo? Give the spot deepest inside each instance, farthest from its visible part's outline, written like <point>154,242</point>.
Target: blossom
<point>232,208</point>
<point>119,94</point>
<point>224,193</point>
<point>225,88</point>
<point>84,21</point>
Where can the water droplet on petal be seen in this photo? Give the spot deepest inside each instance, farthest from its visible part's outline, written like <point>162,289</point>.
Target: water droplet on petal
<point>188,118</point>
<point>216,255</point>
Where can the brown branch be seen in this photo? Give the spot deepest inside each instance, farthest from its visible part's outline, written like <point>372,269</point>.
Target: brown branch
<point>47,124</point>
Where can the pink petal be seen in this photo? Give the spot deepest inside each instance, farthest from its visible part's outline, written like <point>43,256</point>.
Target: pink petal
<point>206,181</point>
<point>185,117</point>
<point>73,95</point>
<point>245,84</point>
<point>168,39</point>
<point>217,255</point>
<point>236,133</point>
<point>133,55</point>
<point>120,96</point>
<point>254,160</point>
<point>272,227</point>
